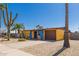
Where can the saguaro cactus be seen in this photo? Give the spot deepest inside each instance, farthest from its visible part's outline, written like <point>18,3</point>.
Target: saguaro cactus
<point>8,21</point>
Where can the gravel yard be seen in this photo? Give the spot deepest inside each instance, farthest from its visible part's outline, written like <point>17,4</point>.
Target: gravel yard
<point>50,48</point>
<point>44,49</point>
<point>4,41</point>
<point>73,50</point>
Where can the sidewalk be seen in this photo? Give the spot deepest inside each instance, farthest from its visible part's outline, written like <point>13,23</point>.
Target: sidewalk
<point>7,51</point>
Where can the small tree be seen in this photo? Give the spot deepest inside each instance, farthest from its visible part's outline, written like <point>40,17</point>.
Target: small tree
<point>8,21</point>
<point>18,27</point>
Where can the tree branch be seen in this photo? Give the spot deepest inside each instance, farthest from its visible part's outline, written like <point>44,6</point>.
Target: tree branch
<point>7,13</point>
<point>5,22</point>
<point>10,21</point>
<point>14,19</point>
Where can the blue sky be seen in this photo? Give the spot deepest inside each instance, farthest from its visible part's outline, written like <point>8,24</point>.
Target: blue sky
<point>48,15</point>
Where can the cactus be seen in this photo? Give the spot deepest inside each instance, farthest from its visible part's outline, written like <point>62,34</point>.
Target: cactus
<point>8,21</point>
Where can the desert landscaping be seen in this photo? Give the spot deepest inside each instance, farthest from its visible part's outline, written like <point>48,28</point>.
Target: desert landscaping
<point>39,48</point>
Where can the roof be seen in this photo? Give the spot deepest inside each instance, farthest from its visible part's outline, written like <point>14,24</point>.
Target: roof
<point>62,28</point>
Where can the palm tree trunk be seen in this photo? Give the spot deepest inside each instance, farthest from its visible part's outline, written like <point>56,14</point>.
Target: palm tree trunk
<point>19,33</point>
<point>66,39</point>
<point>15,34</point>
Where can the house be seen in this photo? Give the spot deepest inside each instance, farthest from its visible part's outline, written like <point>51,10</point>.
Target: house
<point>46,34</point>
<point>74,35</point>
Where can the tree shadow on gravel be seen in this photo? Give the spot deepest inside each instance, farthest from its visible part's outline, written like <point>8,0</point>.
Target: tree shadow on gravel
<point>59,51</point>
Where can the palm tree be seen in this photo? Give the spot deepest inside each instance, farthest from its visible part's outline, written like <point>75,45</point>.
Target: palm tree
<point>8,21</point>
<point>18,27</point>
<point>66,39</point>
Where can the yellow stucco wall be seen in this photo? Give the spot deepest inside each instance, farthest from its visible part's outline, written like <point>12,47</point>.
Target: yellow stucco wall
<point>59,34</point>
<point>26,32</point>
<point>32,34</point>
<point>43,34</point>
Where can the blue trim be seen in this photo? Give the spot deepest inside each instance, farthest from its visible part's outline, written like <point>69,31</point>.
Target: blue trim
<point>30,35</point>
<point>41,34</point>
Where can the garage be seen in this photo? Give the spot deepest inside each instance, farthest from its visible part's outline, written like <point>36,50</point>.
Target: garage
<point>50,35</point>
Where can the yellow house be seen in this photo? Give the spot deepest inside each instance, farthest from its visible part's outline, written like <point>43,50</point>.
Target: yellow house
<point>26,32</point>
<point>46,34</point>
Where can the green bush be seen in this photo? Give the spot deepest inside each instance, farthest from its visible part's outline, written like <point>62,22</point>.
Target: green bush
<point>21,39</point>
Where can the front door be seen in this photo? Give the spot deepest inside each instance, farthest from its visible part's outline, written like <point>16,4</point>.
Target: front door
<point>35,35</point>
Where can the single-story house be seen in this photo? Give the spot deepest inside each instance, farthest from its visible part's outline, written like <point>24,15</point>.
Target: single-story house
<point>46,34</point>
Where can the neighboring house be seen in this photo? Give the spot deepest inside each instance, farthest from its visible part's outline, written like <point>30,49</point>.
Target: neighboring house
<point>75,36</point>
<point>14,34</point>
<point>2,32</point>
<point>45,34</point>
